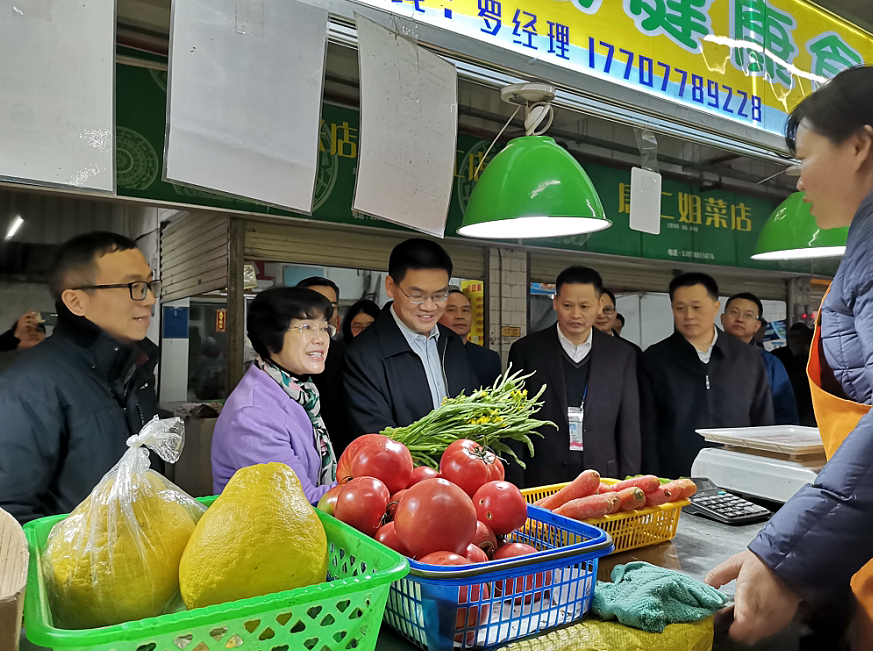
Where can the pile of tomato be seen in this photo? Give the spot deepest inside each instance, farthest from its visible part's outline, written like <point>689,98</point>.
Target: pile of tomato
<point>459,514</point>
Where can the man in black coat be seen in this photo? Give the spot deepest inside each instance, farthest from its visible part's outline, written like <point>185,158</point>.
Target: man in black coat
<point>458,317</point>
<point>405,364</point>
<point>69,404</point>
<point>702,377</point>
<point>590,377</point>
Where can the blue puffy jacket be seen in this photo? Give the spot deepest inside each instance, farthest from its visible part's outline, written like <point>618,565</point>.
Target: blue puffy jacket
<point>824,534</point>
<point>784,403</point>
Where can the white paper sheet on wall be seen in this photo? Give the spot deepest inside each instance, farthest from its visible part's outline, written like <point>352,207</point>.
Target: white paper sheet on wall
<point>57,93</point>
<point>409,124</point>
<point>245,90</point>
<point>645,203</point>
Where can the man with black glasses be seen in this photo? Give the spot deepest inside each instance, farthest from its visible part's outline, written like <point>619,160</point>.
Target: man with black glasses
<point>743,318</point>
<point>69,404</point>
<point>406,363</point>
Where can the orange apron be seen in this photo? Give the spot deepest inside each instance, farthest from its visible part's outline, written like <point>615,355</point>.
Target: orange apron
<point>836,418</point>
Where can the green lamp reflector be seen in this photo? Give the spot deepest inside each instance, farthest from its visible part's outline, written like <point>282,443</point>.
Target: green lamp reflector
<point>533,188</point>
<point>791,233</point>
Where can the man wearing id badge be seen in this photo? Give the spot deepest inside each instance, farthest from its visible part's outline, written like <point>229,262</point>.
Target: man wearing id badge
<point>592,392</point>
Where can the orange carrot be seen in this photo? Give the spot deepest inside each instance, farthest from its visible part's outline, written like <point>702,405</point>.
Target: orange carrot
<point>604,488</point>
<point>658,497</point>
<point>679,487</point>
<point>648,483</point>
<point>584,485</point>
<point>690,490</point>
<point>631,498</point>
<point>593,506</point>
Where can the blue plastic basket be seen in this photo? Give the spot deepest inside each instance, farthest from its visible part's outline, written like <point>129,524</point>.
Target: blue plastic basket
<point>441,608</point>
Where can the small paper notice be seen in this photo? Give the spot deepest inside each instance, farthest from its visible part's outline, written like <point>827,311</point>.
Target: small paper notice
<point>645,204</point>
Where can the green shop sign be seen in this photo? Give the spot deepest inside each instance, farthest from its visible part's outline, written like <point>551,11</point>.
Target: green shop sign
<point>702,226</point>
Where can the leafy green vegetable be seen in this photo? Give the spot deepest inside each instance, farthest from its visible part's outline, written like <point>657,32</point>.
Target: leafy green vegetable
<point>492,417</point>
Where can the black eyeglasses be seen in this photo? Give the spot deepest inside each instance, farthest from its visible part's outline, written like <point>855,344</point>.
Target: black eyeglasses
<point>418,298</point>
<point>138,288</point>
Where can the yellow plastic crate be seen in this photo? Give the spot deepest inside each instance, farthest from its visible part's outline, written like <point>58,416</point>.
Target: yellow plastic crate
<point>630,529</point>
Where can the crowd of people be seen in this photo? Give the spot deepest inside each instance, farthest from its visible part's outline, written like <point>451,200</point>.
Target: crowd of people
<point>69,402</point>
<point>311,390</point>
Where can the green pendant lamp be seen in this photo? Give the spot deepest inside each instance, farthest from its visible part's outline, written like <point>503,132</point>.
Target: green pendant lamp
<point>533,188</point>
<point>792,234</point>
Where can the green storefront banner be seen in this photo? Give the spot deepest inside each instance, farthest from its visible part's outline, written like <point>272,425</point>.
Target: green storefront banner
<point>700,226</point>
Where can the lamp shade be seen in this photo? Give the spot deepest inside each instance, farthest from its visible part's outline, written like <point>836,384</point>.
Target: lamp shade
<point>792,234</point>
<point>533,188</point>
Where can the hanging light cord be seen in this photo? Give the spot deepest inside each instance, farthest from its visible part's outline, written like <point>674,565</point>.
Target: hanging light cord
<point>496,138</point>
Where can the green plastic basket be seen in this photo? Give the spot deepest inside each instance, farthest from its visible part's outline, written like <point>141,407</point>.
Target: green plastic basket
<point>343,613</point>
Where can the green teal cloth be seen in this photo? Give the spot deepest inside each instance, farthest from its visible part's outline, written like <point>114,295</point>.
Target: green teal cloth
<point>649,597</point>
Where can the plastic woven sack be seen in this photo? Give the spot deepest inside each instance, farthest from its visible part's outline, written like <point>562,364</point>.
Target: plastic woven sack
<point>116,557</point>
<point>596,635</point>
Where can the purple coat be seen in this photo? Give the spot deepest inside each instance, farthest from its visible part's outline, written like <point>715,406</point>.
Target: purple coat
<point>261,423</point>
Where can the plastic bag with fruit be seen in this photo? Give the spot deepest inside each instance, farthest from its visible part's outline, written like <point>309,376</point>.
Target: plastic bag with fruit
<point>115,558</point>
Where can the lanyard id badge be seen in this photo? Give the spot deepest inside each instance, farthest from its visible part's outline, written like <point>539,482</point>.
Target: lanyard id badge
<point>576,419</point>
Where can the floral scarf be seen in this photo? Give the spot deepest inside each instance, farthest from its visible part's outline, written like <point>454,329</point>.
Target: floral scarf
<point>304,393</point>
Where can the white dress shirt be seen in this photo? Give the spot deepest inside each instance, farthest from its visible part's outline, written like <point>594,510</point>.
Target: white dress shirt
<point>427,350</point>
<point>574,352</point>
<point>705,355</point>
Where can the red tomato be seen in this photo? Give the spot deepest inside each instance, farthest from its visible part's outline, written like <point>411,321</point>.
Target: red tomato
<point>521,584</point>
<point>388,537</point>
<point>435,515</point>
<point>421,473</point>
<point>343,466</point>
<point>469,616</point>
<point>467,464</point>
<point>327,503</point>
<point>475,554</point>
<point>362,503</point>
<point>498,472</point>
<point>501,506</point>
<point>443,558</point>
<point>374,455</point>
<point>485,539</point>
<point>392,504</point>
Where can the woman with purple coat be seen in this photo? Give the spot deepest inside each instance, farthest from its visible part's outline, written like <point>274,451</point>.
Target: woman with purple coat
<point>274,413</point>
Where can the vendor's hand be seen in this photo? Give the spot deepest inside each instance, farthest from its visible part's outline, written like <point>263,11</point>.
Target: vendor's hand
<point>763,604</point>
<point>27,323</point>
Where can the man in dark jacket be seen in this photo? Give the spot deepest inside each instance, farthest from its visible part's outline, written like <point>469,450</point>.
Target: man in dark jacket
<point>743,318</point>
<point>405,364</point>
<point>69,404</point>
<point>592,393</point>
<point>701,377</point>
<point>458,317</point>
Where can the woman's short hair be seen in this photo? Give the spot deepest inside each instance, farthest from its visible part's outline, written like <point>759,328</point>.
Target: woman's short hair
<point>364,306</point>
<point>838,109</point>
<point>272,311</point>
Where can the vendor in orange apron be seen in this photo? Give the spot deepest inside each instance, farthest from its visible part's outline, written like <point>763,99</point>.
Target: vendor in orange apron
<point>836,418</point>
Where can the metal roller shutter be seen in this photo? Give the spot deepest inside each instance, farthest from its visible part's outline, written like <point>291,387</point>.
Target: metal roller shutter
<point>320,245</point>
<point>637,275</point>
<point>194,255</point>
<point>633,275</point>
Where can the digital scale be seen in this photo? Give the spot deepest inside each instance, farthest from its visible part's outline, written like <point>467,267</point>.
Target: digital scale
<point>771,462</point>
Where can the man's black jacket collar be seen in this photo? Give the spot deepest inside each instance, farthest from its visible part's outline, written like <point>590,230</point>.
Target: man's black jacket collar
<point>112,359</point>
<point>392,340</point>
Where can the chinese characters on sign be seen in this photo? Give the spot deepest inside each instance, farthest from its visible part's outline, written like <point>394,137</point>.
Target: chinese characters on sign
<point>706,54</point>
<point>474,290</point>
<point>694,210</point>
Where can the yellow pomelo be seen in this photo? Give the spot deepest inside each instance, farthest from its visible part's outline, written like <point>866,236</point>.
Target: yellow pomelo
<point>260,536</point>
<point>115,562</point>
